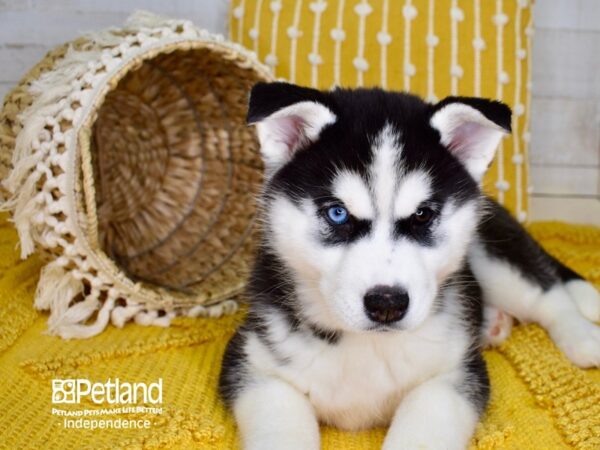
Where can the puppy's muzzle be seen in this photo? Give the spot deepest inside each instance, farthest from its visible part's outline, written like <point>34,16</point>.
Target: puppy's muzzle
<point>386,304</point>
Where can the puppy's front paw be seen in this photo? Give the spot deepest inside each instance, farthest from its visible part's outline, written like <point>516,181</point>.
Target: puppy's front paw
<point>579,339</point>
<point>434,416</point>
<point>272,414</point>
<point>586,297</point>
<point>423,438</point>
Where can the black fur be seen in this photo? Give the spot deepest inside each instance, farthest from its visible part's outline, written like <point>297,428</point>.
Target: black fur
<point>267,98</point>
<point>472,299</point>
<point>330,336</point>
<point>477,384</point>
<point>233,370</point>
<point>504,238</point>
<point>410,228</point>
<point>350,231</point>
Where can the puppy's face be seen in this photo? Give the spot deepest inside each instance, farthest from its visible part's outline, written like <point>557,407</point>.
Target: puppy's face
<point>372,197</point>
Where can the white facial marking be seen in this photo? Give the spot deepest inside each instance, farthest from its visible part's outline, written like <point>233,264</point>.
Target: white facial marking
<point>384,170</point>
<point>352,190</point>
<point>413,190</point>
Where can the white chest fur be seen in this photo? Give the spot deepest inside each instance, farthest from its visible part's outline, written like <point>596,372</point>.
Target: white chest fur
<point>359,381</point>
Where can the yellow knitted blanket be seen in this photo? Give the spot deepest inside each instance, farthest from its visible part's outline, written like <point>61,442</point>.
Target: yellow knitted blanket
<point>539,400</point>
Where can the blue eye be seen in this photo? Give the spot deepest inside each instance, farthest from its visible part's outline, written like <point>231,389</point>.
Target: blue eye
<point>338,215</point>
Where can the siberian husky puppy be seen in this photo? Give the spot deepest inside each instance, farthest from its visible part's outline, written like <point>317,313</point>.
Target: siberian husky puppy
<point>383,269</point>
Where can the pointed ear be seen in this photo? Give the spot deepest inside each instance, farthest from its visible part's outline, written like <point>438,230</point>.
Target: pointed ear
<point>287,119</point>
<point>471,129</point>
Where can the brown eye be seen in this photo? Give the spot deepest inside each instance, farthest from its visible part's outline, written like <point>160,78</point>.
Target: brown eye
<point>422,216</point>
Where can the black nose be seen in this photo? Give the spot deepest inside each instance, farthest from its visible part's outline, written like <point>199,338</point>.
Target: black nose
<point>386,304</point>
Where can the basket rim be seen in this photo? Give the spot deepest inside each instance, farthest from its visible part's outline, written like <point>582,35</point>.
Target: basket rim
<point>82,191</point>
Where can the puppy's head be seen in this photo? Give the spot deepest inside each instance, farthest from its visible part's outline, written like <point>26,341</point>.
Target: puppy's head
<point>371,197</point>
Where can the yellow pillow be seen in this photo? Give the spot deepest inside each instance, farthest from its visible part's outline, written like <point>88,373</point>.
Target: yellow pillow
<point>432,48</point>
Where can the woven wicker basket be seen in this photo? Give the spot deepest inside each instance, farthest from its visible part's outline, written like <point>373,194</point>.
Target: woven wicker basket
<point>128,161</point>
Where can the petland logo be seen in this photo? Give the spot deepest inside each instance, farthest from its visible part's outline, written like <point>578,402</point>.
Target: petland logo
<point>72,391</point>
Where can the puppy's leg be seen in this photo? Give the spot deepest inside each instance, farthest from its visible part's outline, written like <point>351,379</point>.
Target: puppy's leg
<point>586,297</point>
<point>271,414</point>
<point>435,415</point>
<point>506,289</point>
<point>517,276</point>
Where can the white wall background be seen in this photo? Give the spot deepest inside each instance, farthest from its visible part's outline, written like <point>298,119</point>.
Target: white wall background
<point>30,28</point>
<point>565,124</point>
<point>565,146</point>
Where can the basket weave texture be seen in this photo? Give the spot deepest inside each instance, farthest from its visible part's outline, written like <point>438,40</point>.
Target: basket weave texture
<point>127,161</point>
